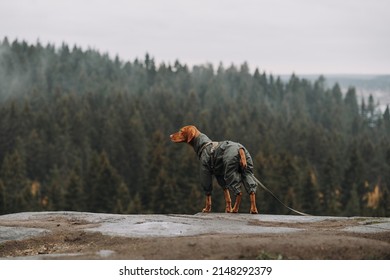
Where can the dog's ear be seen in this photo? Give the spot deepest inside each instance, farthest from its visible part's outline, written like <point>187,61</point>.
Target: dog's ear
<point>192,132</point>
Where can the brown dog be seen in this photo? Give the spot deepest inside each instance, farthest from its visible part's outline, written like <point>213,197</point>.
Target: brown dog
<point>228,161</point>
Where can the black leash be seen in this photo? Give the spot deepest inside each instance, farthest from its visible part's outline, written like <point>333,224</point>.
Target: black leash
<point>266,189</point>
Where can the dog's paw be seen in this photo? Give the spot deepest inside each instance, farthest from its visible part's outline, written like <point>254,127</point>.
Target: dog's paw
<point>254,211</point>
<point>205,210</point>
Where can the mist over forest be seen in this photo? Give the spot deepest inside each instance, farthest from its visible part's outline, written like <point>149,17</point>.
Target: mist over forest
<point>82,131</point>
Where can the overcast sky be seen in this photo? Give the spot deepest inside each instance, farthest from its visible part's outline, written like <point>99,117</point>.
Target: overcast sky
<point>276,36</point>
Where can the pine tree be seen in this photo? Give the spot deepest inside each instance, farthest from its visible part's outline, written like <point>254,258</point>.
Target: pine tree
<point>134,165</point>
<point>310,201</point>
<point>55,190</point>
<point>74,193</point>
<point>104,184</point>
<point>385,203</point>
<point>13,175</point>
<point>386,119</point>
<point>135,205</point>
<point>289,181</point>
<point>353,205</point>
<point>329,188</point>
<point>164,194</point>
<point>35,161</point>
<point>2,198</point>
<point>353,180</point>
<point>123,199</point>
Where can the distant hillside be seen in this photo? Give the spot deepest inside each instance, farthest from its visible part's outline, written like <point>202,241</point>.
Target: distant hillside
<point>82,131</point>
<point>377,85</point>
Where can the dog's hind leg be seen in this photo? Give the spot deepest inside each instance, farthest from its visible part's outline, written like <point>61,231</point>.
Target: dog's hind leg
<point>237,203</point>
<point>207,208</point>
<point>252,197</point>
<point>228,201</point>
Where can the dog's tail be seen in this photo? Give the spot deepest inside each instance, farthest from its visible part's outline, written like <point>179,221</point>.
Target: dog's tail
<point>266,189</point>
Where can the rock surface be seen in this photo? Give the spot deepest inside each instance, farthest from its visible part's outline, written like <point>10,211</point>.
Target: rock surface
<point>80,235</point>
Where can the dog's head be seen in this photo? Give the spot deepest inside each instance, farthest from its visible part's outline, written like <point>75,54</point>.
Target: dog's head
<point>185,134</point>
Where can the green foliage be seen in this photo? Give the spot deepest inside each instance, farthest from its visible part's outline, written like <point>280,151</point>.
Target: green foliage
<point>74,193</point>
<point>2,198</point>
<point>81,131</point>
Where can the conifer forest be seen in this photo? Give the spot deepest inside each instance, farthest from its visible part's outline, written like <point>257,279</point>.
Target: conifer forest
<point>82,131</point>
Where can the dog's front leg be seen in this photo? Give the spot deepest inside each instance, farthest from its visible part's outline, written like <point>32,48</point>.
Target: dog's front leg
<point>228,201</point>
<point>252,197</point>
<point>207,208</point>
<point>237,203</point>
